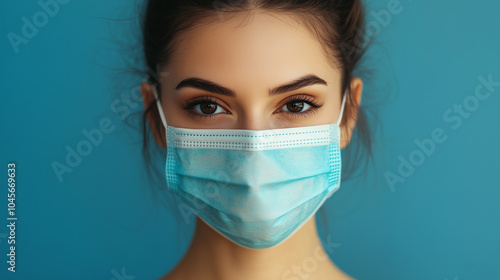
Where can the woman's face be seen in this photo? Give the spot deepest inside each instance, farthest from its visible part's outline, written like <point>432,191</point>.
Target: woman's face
<point>234,74</point>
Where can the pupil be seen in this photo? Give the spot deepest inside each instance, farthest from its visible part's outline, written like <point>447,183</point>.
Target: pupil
<point>295,106</point>
<point>208,108</point>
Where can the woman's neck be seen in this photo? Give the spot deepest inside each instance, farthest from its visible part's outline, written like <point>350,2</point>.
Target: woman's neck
<point>212,256</point>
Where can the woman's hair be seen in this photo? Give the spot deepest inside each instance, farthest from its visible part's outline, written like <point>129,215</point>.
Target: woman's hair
<point>337,24</point>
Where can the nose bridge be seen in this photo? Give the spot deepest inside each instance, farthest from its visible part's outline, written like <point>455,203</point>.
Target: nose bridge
<point>253,118</point>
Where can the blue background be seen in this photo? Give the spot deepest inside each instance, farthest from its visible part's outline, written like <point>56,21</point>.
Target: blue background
<point>100,221</point>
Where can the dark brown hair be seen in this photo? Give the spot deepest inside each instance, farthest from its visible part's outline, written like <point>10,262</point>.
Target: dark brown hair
<point>337,24</point>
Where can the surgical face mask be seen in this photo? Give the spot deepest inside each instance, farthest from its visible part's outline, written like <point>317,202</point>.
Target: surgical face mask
<point>255,187</point>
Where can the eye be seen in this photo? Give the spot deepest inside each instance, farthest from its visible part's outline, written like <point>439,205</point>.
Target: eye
<point>203,107</point>
<point>208,108</point>
<point>300,105</point>
<point>295,106</point>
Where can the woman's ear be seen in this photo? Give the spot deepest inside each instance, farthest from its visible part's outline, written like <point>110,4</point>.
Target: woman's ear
<point>351,114</point>
<point>153,116</point>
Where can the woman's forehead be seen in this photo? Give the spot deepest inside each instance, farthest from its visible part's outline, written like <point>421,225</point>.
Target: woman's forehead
<point>264,49</point>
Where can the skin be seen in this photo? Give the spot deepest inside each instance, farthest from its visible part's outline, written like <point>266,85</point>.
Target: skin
<point>251,55</point>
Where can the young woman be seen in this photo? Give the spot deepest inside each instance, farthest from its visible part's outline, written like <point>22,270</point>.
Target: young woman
<point>253,100</point>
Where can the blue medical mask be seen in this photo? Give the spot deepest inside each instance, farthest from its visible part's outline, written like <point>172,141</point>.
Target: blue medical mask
<point>255,187</point>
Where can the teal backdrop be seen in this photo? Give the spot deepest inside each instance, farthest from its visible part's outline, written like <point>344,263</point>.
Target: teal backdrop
<point>427,208</point>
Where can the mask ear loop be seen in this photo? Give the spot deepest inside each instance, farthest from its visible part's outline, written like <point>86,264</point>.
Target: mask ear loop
<point>341,109</point>
<point>160,110</point>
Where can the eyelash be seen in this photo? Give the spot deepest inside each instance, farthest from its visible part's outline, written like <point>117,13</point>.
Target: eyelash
<point>189,105</point>
<point>306,99</point>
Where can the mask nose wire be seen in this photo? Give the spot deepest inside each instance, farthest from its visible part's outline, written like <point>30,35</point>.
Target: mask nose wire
<point>341,109</point>
<point>160,110</point>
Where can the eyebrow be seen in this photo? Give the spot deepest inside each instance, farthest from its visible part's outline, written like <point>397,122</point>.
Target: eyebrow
<point>304,81</point>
